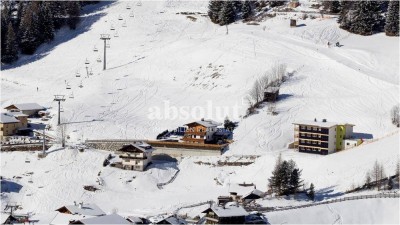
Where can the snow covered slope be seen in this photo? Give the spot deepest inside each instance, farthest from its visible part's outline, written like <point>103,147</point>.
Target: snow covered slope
<point>168,57</point>
<point>162,58</point>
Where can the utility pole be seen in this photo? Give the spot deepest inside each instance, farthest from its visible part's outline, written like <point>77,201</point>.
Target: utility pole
<point>44,140</point>
<point>59,99</point>
<point>105,37</point>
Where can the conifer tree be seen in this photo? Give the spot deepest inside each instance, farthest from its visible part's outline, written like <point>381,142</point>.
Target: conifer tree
<point>28,30</point>
<point>214,9</point>
<point>392,19</point>
<point>10,52</point>
<point>46,24</point>
<point>73,11</point>
<point>246,9</point>
<point>311,192</point>
<point>366,18</point>
<point>227,14</point>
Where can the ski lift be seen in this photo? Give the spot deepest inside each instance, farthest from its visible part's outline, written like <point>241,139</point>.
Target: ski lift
<point>90,72</point>
<point>71,95</point>
<point>112,27</point>
<point>98,59</point>
<point>120,17</point>
<point>139,3</point>
<point>116,34</point>
<point>77,74</point>
<point>124,24</point>
<point>87,62</point>
<point>131,14</point>
<point>128,6</point>
<point>108,44</point>
<point>62,109</point>
<point>27,160</point>
<point>68,86</point>
<point>81,86</point>
<point>95,49</point>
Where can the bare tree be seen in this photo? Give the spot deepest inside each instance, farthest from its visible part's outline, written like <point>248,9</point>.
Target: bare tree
<point>397,173</point>
<point>376,174</point>
<point>368,179</point>
<point>277,74</point>
<point>395,115</point>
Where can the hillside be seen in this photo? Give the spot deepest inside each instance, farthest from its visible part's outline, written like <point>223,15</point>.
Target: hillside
<point>164,61</point>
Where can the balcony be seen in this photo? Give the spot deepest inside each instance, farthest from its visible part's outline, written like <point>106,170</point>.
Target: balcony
<point>195,140</point>
<point>321,145</point>
<point>195,133</point>
<point>317,130</point>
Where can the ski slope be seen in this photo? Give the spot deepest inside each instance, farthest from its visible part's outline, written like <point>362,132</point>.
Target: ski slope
<point>163,58</point>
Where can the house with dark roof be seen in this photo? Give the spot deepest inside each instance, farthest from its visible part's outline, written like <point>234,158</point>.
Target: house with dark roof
<point>172,220</point>
<point>29,109</point>
<point>200,132</point>
<point>135,156</point>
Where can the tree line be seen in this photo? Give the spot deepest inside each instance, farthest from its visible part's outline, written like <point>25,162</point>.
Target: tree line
<point>358,17</point>
<point>25,25</point>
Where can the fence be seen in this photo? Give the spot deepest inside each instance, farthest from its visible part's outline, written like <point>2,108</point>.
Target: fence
<point>359,197</point>
<point>160,185</point>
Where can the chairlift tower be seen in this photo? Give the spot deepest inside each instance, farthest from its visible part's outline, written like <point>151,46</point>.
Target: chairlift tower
<point>105,37</point>
<point>59,99</point>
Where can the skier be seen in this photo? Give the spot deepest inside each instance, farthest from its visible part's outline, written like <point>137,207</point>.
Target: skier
<point>329,44</point>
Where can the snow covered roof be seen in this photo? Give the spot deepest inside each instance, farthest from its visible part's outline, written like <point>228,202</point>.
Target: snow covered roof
<point>27,106</point>
<point>63,218</point>
<point>206,123</point>
<point>17,113</point>
<point>4,217</point>
<point>8,118</point>
<point>144,147</point>
<point>272,89</point>
<point>172,220</point>
<point>107,219</point>
<point>320,123</point>
<point>135,219</point>
<point>254,192</point>
<point>229,210</point>
<point>85,209</point>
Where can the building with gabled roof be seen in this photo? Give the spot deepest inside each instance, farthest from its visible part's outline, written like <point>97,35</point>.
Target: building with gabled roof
<point>230,213</point>
<point>26,108</point>
<point>82,209</point>
<point>9,125</point>
<point>200,132</point>
<point>172,220</point>
<point>135,156</point>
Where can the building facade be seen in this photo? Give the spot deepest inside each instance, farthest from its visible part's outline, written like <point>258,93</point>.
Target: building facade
<point>9,125</point>
<point>29,109</point>
<point>321,137</point>
<point>135,156</point>
<point>200,132</point>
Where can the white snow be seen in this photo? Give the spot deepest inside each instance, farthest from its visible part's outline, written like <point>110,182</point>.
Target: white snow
<point>163,58</point>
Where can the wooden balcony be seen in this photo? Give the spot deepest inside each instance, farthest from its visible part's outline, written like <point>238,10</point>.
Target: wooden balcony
<point>195,140</point>
<point>195,133</point>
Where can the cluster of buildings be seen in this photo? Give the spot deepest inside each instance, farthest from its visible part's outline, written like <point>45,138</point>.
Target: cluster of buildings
<point>228,210</point>
<point>15,119</point>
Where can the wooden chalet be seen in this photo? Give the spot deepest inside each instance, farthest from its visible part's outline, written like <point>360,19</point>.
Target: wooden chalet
<point>82,209</point>
<point>200,132</point>
<point>271,94</point>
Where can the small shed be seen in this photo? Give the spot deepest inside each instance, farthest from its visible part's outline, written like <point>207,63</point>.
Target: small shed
<point>271,94</point>
<point>293,23</point>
